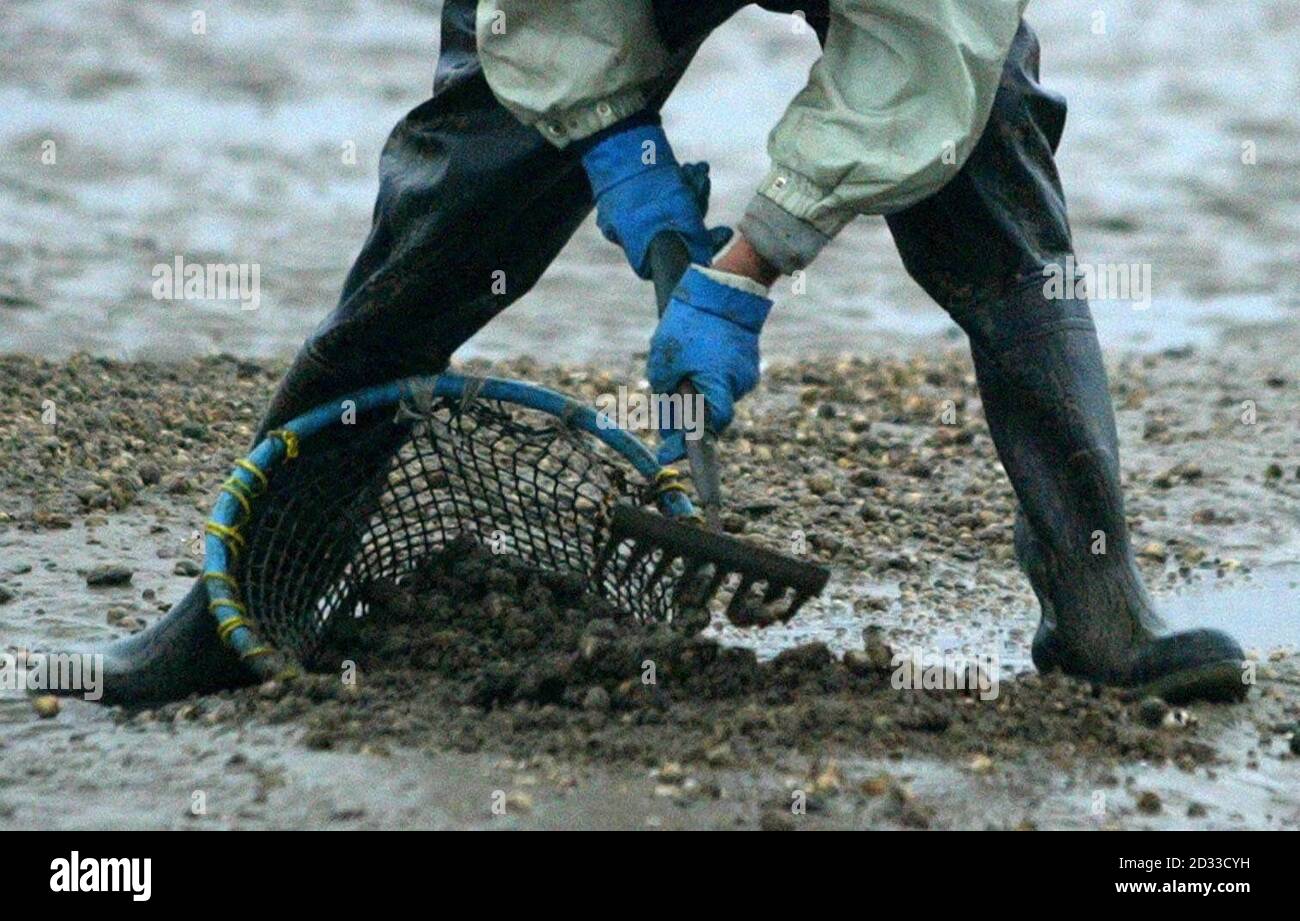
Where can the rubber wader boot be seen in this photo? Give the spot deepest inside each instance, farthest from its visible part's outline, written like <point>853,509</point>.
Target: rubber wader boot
<point>181,654</point>
<point>1045,396</point>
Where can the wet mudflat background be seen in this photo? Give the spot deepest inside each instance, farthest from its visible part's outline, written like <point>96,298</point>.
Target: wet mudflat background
<point>258,142</point>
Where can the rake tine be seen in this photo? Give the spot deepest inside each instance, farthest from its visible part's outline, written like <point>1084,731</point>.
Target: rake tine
<point>737,607</point>
<point>697,548</point>
<point>690,592</point>
<point>690,575</point>
<point>719,576</point>
<point>799,599</point>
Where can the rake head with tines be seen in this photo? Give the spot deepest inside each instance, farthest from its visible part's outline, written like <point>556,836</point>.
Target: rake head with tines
<point>695,565</point>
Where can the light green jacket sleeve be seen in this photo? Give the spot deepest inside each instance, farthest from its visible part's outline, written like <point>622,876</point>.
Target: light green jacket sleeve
<point>570,67</point>
<point>890,112</point>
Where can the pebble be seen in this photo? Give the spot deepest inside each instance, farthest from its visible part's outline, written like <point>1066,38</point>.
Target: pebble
<point>819,484</point>
<point>1152,711</point>
<point>878,785</point>
<point>6,595</point>
<point>720,755</point>
<point>1148,801</point>
<point>776,820</point>
<point>879,653</point>
<point>186,567</point>
<point>596,700</point>
<point>115,616</point>
<point>109,574</point>
<point>518,801</point>
<point>1155,551</point>
<point>46,706</point>
<point>671,772</point>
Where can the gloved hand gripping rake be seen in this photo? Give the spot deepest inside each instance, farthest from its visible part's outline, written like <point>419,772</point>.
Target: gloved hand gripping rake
<point>699,561</point>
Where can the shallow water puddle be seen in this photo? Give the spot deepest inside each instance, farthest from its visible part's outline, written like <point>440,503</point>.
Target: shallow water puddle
<point>1261,611</point>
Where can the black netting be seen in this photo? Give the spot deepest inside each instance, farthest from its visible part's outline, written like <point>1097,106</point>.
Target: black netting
<point>370,502</point>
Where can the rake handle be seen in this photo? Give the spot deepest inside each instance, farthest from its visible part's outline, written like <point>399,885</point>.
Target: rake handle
<point>669,260</point>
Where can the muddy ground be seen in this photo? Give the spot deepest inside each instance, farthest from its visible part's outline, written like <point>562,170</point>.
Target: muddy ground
<point>863,459</point>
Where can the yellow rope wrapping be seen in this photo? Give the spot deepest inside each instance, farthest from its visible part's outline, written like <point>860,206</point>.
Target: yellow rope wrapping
<point>230,626</point>
<point>227,627</point>
<point>668,480</point>
<point>236,489</point>
<point>290,440</point>
<point>258,473</point>
<point>231,537</point>
<point>226,603</point>
<point>224,577</point>
<point>234,541</point>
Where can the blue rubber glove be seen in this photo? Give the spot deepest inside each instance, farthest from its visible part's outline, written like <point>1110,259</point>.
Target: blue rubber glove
<point>636,199</point>
<point>709,334</point>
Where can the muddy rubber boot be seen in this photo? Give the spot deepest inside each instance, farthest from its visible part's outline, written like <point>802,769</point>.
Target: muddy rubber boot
<point>178,656</point>
<point>1044,390</point>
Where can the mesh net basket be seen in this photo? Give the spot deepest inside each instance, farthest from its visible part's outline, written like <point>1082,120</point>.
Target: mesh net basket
<point>373,501</point>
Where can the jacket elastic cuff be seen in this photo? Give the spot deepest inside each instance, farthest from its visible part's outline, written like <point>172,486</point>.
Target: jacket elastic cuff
<point>786,242</point>
<point>639,119</point>
<point>805,199</point>
<point>563,128</point>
